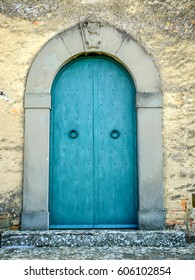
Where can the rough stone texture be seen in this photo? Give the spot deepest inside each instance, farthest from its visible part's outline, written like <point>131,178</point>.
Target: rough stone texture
<point>100,253</point>
<point>4,224</point>
<point>92,238</point>
<point>164,28</point>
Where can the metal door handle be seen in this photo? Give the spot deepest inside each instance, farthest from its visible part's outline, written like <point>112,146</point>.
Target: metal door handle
<point>115,134</point>
<point>73,134</point>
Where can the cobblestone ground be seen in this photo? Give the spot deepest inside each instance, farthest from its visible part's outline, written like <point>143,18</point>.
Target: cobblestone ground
<point>100,253</point>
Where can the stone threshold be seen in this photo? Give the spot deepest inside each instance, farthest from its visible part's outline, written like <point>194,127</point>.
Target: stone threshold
<point>93,238</point>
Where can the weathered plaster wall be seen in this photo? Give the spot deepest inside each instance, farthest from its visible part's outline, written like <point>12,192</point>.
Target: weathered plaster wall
<point>164,28</point>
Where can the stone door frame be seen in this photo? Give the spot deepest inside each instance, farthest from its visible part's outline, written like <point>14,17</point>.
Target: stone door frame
<point>93,36</point>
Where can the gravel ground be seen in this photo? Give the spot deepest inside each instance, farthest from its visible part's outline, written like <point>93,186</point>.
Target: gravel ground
<point>100,253</point>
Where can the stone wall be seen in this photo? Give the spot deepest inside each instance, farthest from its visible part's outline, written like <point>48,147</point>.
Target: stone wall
<point>164,28</point>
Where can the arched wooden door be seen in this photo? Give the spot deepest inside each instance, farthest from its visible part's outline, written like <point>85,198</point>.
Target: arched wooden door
<point>93,146</point>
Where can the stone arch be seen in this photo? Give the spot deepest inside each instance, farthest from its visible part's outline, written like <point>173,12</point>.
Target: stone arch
<point>92,36</point>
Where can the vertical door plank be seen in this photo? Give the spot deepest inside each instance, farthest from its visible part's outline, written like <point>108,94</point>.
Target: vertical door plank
<point>73,192</point>
<point>117,197</point>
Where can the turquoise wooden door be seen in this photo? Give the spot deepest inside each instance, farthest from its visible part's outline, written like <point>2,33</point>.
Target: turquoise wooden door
<point>93,146</point>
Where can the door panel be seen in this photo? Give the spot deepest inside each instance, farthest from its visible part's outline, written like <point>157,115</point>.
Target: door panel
<point>116,156</point>
<point>72,169</point>
<point>92,155</point>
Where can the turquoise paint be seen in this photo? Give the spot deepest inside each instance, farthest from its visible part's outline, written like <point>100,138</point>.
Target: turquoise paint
<point>93,165</point>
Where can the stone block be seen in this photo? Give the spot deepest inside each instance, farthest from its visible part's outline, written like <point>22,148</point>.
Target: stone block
<point>151,220</point>
<point>73,41</point>
<point>140,66</point>
<point>43,69</point>
<point>93,238</point>
<point>35,220</point>
<point>150,160</point>
<point>36,160</point>
<point>148,100</point>
<point>37,100</point>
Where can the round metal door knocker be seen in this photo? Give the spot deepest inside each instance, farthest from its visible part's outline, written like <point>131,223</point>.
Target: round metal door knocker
<point>73,134</point>
<point>115,134</point>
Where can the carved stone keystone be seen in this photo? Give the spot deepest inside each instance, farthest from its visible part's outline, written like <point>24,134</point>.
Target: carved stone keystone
<point>92,30</point>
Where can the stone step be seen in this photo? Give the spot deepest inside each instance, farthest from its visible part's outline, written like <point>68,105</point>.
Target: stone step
<point>92,238</point>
